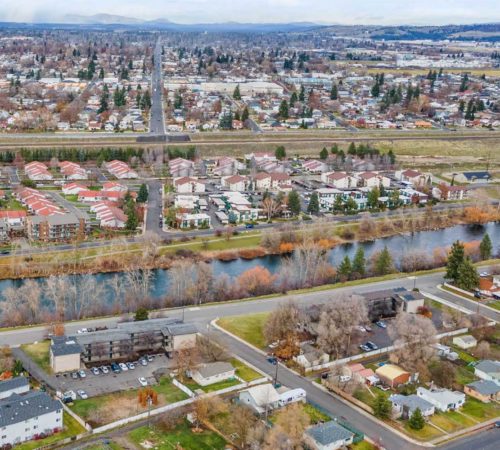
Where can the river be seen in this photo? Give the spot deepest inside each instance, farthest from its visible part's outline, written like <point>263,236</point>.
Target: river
<point>398,245</point>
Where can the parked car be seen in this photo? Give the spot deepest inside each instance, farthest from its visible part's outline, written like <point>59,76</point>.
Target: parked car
<point>143,362</point>
<point>143,381</point>
<point>83,395</point>
<point>123,367</point>
<point>150,358</point>
<point>381,324</point>
<point>82,373</point>
<point>96,371</point>
<point>364,347</point>
<point>69,396</point>
<point>82,331</point>
<point>74,375</point>
<point>115,368</point>
<point>249,226</point>
<point>371,345</point>
<point>131,365</point>
<point>368,328</point>
<point>361,328</point>
<point>105,369</point>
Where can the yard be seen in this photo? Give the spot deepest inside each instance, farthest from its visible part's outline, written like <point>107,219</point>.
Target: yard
<point>181,437</point>
<point>243,371</point>
<point>212,387</point>
<point>248,328</point>
<point>39,353</point>
<point>71,428</point>
<point>451,421</point>
<point>479,410</point>
<point>427,433</point>
<point>118,405</point>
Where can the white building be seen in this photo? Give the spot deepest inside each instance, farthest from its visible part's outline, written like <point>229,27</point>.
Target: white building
<point>213,373</point>
<point>330,436</point>
<point>466,341</point>
<point>193,220</point>
<point>339,180</point>
<point>188,185</point>
<point>443,399</point>
<point>260,398</point>
<point>17,385</point>
<point>236,183</point>
<point>488,369</point>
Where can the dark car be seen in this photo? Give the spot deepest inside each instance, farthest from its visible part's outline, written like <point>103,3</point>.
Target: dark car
<point>249,225</point>
<point>115,368</point>
<point>372,345</point>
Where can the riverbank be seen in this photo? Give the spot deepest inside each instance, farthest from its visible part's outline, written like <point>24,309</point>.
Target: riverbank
<point>123,256</point>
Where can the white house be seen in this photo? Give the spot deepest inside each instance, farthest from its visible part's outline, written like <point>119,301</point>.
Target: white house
<point>260,398</point>
<point>405,405</point>
<point>37,171</point>
<point>25,417</point>
<point>414,177</point>
<point>289,396</point>
<point>443,399</point>
<point>73,188</point>
<point>330,436</point>
<point>188,185</point>
<point>187,220</point>
<point>213,373</point>
<point>273,181</point>
<point>373,179</point>
<point>339,180</point>
<point>17,385</point>
<point>466,341</point>
<point>310,356</point>
<point>488,369</point>
<point>237,183</point>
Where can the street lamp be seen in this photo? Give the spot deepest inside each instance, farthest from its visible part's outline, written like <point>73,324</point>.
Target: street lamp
<point>414,278</point>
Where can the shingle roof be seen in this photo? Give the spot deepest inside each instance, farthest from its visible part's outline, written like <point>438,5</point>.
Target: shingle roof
<point>65,346</point>
<point>328,433</point>
<point>13,383</point>
<point>485,387</point>
<point>18,408</point>
<point>488,366</point>
<point>216,368</point>
<point>411,401</point>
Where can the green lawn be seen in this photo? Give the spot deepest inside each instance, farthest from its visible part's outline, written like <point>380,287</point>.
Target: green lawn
<point>71,198</point>
<point>315,414</point>
<point>12,204</point>
<point>451,421</point>
<point>248,328</point>
<point>479,410</point>
<point>243,371</point>
<point>39,353</point>
<point>465,375</point>
<point>102,406</point>
<point>212,387</point>
<point>425,434</point>
<point>71,428</point>
<point>364,396</point>
<point>363,445</point>
<point>181,435</point>
<point>463,355</point>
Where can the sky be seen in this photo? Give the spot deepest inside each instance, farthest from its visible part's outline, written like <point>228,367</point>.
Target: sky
<point>378,12</point>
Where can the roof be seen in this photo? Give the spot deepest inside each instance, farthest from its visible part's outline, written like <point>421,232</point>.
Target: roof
<point>13,383</point>
<point>65,346</point>
<point>443,396</point>
<point>411,401</point>
<point>216,368</point>
<point>18,408</point>
<point>481,174</point>
<point>468,339</point>
<point>488,366</point>
<point>263,394</point>
<point>390,371</point>
<point>485,387</point>
<point>328,433</point>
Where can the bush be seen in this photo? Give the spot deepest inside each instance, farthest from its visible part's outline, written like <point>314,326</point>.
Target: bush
<point>416,421</point>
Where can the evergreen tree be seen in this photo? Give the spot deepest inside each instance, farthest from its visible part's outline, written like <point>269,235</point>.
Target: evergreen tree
<point>383,263</point>
<point>455,259</point>
<point>334,93</point>
<point>359,263</point>
<point>302,93</point>
<point>345,268</point>
<point>416,420</point>
<point>351,149</point>
<point>236,93</point>
<point>103,106</point>
<point>294,203</point>
<point>293,99</point>
<point>280,153</point>
<point>142,197</point>
<point>382,407</point>
<point>323,154</point>
<point>245,115</point>
<point>375,90</point>
<point>485,248</point>
<point>372,198</point>
<point>101,73</point>
<point>283,111</point>
<point>132,220</point>
<point>467,277</point>
<point>141,314</point>
<point>313,207</point>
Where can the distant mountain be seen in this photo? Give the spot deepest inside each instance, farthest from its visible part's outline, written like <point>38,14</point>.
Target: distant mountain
<point>100,19</point>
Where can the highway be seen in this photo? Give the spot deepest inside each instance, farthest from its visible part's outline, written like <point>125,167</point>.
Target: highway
<point>204,315</point>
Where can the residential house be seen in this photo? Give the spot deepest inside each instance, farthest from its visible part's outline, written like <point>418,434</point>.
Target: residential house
<point>310,356</point>
<point>339,180</point>
<point>330,436</point>
<point>443,399</point>
<point>362,374</point>
<point>37,171</point>
<point>64,354</point>
<point>314,166</point>
<point>73,188</point>
<point>211,373</point>
<point>260,398</point>
<point>414,177</point>
<point>473,177</point>
<point>15,219</point>
<point>405,405</point>
<point>237,183</point>
<point>488,369</point>
<point>16,385</point>
<point>373,179</point>
<point>392,375</point>
<point>273,181</point>
<point>72,171</point>
<point>188,185</point>
<point>466,341</point>
<point>113,186</point>
<point>483,390</point>
<point>120,170</point>
<point>197,220</point>
<point>180,167</point>
<point>109,215</point>
<point>450,193</point>
<point>26,417</point>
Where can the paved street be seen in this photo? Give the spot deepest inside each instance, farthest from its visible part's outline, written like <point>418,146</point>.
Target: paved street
<point>157,122</point>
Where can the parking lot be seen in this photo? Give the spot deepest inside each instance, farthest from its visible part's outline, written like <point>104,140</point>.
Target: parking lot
<point>101,384</point>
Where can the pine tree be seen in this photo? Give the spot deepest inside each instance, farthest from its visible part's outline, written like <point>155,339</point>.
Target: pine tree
<point>313,207</point>
<point>375,90</point>
<point>323,154</point>
<point>485,248</point>
<point>467,276</point>
<point>359,263</point>
<point>416,421</point>
<point>142,197</point>
<point>455,259</point>
<point>293,99</point>
<point>283,111</point>
<point>245,115</point>
<point>382,407</point>
<point>302,93</point>
<point>294,203</point>
<point>236,93</point>
<point>352,149</point>
<point>383,263</point>
<point>334,93</point>
<point>345,268</point>
<point>372,198</point>
<point>280,153</point>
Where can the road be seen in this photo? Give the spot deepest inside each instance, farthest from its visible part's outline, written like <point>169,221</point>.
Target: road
<point>203,316</point>
<point>156,120</point>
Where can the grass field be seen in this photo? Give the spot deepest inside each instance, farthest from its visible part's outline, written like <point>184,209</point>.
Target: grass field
<point>363,445</point>
<point>427,433</point>
<point>212,387</point>
<point>479,410</point>
<point>107,408</point>
<point>248,328</point>
<point>451,421</point>
<point>243,371</point>
<point>71,428</point>
<point>39,353</point>
<point>145,437</point>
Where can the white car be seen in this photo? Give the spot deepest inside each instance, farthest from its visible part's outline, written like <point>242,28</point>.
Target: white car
<point>123,366</point>
<point>82,373</point>
<point>143,381</point>
<point>131,366</point>
<point>361,328</point>
<point>83,395</point>
<point>104,369</point>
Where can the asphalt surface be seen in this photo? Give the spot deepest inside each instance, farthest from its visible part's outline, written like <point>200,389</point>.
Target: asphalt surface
<point>157,122</point>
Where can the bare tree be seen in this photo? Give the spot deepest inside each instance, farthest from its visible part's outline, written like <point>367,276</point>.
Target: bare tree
<point>413,336</point>
<point>282,322</point>
<point>483,350</point>
<point>288,431</point>
<point>270,207</point>
<point>211,349</point>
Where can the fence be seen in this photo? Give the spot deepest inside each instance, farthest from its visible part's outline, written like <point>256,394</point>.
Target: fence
<point>183,388</point>
<point>380,351</point>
